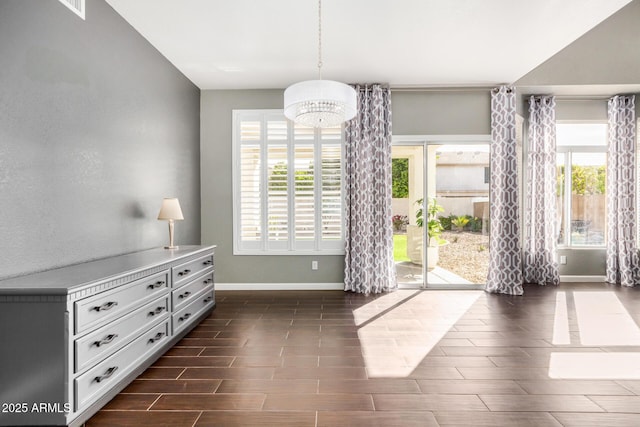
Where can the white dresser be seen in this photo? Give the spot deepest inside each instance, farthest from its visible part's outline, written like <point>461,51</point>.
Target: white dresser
<point>73,337</point>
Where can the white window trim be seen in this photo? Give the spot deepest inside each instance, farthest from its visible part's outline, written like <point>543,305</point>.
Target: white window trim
<point>568,150</point>
<point>320,247</point>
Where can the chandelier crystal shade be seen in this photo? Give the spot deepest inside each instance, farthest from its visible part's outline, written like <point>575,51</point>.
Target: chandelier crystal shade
<point>320,103</point>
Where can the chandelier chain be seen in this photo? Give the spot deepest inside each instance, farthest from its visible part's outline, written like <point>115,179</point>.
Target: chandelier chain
<point>320,103</point>
<point>319,39</point>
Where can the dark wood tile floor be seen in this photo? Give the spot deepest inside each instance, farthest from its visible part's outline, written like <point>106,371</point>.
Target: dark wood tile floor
<point>328,358</point>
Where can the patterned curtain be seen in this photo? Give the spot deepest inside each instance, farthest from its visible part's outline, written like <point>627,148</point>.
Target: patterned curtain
<point>505,264</point>
<point>369,265</point>
<point>539,255</point>
<point>622,252</point>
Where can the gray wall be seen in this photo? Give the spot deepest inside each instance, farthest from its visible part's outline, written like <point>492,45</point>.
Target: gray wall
<point>452,112</point>
<point>95,128</point>
<point>583,262</point>
<point>415,113</point>
<point>217,217</point>
<point>581,109</point>
<point>606,55</point>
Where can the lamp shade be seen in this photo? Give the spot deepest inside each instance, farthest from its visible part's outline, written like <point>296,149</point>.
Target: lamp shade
<point>170,209</point>
<point>320,103</point>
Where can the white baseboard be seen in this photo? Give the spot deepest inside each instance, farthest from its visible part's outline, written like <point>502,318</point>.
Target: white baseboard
<point>279,286</point>
<point>340,286</point>
<point>570,279</point>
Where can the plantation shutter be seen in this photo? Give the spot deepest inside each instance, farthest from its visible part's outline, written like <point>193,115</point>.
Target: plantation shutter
<point>287,186</point>
<point>250,189</point>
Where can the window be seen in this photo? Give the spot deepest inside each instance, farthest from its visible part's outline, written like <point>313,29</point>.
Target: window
<point>287,182</point>
<point>581,190</point>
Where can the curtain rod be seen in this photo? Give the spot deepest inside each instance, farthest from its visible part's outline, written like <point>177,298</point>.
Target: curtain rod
<point>441,88</point>
<point>444,89</point>
<point>578,98</point>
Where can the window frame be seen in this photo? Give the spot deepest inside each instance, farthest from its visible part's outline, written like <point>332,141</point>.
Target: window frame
<point>264,246</point>
<point>568,151</point>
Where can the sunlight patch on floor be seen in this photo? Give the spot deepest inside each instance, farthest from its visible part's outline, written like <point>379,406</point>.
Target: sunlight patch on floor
<point>561,321</point>
<point>596,366</point>
<point>602,321</point>
<point>395,342</point>
<point>376,307</point>
<point>440,276</point>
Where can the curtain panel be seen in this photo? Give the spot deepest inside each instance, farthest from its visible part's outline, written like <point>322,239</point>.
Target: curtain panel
<point>539,263</point>
<point>369,265</point>
<point>505,261</point>
<point>622,251</point>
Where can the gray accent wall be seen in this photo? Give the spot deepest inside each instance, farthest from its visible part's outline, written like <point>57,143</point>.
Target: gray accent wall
<point>414,113</point>
<point>96,127</point>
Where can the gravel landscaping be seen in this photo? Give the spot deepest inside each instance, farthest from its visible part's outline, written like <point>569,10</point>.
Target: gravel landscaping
<point>466,255</point>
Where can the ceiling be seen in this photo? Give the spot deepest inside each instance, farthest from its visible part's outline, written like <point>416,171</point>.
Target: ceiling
<point>247,44</point>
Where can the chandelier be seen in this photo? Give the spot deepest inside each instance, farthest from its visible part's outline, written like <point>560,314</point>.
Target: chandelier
<point>320,103</point>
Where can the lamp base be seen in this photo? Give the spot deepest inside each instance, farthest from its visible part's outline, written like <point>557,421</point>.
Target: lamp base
<point>171,236</point>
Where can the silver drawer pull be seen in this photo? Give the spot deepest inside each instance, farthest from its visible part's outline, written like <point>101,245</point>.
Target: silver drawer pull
<point>106,375</point>
<point>184,272</point>
<point>105,340</point>
<point>206,282</point>
<point>106,306</point>
<point>158,310</point>
<point>184,317</point>
<point>158,336</point>
<point>186,294</point>
<point>208,262</point>
<point>156,285</point>
<point>208,299</point>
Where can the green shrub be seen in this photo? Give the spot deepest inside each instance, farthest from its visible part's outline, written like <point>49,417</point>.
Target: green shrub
<point>446,222</point>
<point>460,222</point>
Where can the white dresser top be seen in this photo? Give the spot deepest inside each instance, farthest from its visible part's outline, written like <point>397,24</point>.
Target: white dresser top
<point>73,278</point>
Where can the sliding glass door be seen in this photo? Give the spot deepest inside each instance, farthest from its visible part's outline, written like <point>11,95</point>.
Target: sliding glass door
<point>441,213</point>
<point>408,192</point>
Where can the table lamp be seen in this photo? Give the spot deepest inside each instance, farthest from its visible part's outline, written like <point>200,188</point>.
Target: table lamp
<point>170,211</point>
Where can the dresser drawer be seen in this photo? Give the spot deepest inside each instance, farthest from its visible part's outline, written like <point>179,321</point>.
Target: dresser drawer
<point>91,384</point>
<point>201,301</point>
<point>116,302</point>
<point>183,273</point>
<point>97,345</point>
<point>184,294</point>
